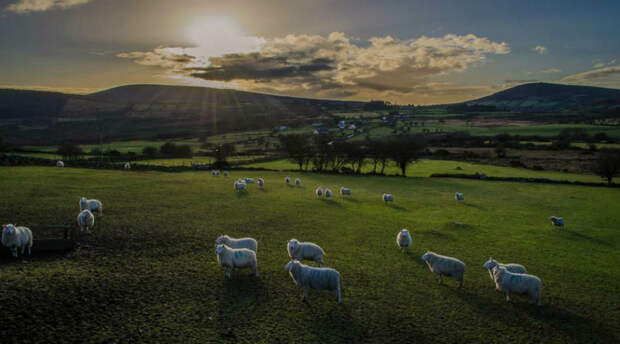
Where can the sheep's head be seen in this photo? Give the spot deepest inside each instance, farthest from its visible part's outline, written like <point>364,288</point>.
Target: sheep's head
<point>404,231</point>
<point>289,266</point>
<point>426,256</point>
<point>490,264</point>
<point>219,248</point>
<point>292,244</point>
<point>9,229</point>
<point>222,239</point>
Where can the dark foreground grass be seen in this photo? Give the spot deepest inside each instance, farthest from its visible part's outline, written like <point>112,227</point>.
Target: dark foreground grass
<point>149,272</point>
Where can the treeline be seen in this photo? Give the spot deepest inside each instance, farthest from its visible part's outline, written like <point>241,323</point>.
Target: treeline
<point>326,153</point>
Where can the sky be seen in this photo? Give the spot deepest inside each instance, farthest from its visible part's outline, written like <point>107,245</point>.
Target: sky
<point>406,52</point>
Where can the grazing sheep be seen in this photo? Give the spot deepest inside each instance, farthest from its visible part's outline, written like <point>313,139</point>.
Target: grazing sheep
<point>328,193</point>
<point>557,221</point>
<point>86,220</point>
<point>249,243</point>
<point>459,196</point>
<point>319,192</point>
<point>225,173</point>
<point>305,250</point>
<point>491,264</point>
<point>127,166</point>
<point>249,180</point>
<point>240,185</point>
<point>388,197</point>
<point>261,182</point>
<point>91,204</point>
<point>509,282</point>
<point>59,163</point>
<point>309,277</point>
<point>445,266</point>
<point>345,191</point>
<point>215,173</point>
<point>231,258</point>
<point>403,239</point>
<point>16,238</point>
<point>297,181</point>
<point>287,180</point>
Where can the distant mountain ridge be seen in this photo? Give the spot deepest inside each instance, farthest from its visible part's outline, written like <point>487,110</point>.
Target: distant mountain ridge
<point>551,97</point>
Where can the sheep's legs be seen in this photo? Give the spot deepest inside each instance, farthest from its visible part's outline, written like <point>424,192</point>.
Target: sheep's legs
<point>440,280</point>
<point>14,252</point>
<point>305,294</point>
<point>507,296</point>
<point>30,250</point>
<point>229,273</point>
<point>256,271</point>
<point>460,283</point>
<point>339,295</point>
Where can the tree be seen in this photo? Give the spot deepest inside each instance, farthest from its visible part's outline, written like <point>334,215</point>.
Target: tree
<point>405,150</point>
<point>69,151</point>
<point>500,150</point>
<point>149,151</point>
<point>2,147</point>
<point>607,165</point>
<point>223,151</point>
<point>297,147</point>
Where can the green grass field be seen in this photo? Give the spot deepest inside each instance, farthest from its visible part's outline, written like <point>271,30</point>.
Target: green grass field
<point>424,168</point>
<point>149,273</point>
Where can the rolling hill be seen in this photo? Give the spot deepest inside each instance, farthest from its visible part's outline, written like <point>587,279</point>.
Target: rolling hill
<point>551,97</point>
<point>147,111</point>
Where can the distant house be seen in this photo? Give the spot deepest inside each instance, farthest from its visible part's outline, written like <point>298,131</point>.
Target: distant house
<point>318,131</point>
<point>352,127</point>
<point>317,124</point>
<point>341,125</point>
<point>282,128</point>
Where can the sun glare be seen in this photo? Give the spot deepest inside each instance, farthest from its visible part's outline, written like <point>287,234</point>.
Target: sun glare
<point>220,35</point>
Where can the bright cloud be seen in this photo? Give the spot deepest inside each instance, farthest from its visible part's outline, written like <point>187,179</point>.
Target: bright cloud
<point>334,66</point>
<point>551,71</point>
<point>25,6</point>
<point>541,49</point>
<point>594,74</point>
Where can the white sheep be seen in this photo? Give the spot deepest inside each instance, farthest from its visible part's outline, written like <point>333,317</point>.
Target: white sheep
<point>308,277</point>
<point>445,266</point>
<point>319,192</point>
<point>86,220</point>
<point>388,197</point>
<point>287,180</point>
<point>345,191</point>
<point>59,163</point>
<point>249,243</point>
<point>215,173</point>
<point>492,264</point>
<point>509,282</point>
<point>91,204</point>
<point>403,239</point>
<point>297,181</point>
<point>249,180</point>
<point>459,196</point>
<point>225,173</point>
<point>127,166</point>
<point>305,250</point>
<point>231,258</point>
<point>16,238</point>
<point>261,182</point>
<point>557,221</point>
<point>328,193</point>
<point>240,185</point>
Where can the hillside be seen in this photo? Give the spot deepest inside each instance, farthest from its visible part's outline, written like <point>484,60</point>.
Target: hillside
<point>551,97</point>
<point>147,111</point>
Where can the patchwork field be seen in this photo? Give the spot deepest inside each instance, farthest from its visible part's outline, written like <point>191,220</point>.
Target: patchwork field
<point>149,273</point>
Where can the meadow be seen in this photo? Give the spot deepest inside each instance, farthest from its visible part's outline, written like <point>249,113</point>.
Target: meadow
<point>149,273</point>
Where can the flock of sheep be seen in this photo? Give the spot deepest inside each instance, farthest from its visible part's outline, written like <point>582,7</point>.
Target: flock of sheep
<point>241,253</point>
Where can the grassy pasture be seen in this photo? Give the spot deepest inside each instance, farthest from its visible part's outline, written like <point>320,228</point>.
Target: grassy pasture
<point>424,168</point>
<point>149,272</point>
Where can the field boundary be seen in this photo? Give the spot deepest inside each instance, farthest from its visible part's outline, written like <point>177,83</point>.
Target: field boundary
<point>520,179</point>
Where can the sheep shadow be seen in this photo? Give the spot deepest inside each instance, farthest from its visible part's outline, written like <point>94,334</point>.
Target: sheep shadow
<point>241,194</point>
<point>336,324</point>
<point>456,226</point>
<point>573,235</point>
<point>396,207</point>
<point>350,199</point>
<point>234,297</point>
<point>437,234</point>
<point>331,202</point>
<point>475,206</point>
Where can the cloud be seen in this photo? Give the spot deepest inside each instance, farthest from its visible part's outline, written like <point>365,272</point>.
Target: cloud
<point>540,49</point>
<point>25,6</point>
<point>551,71</point>
<point>603,64</point>
<point>594,74</point>
<point>333,66</point>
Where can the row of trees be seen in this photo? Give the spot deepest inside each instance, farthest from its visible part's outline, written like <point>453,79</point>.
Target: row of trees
<point>326,153</point>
